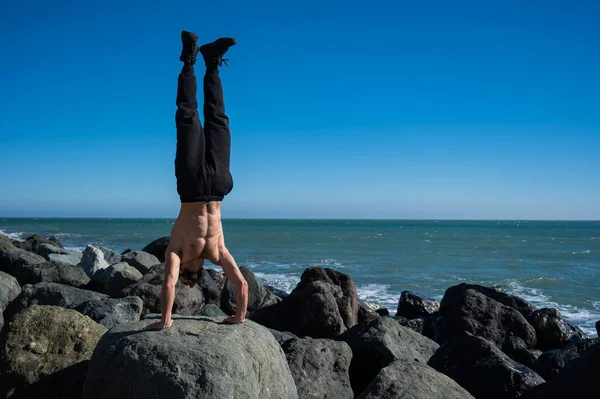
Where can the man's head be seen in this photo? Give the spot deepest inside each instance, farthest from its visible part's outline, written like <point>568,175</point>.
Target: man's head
<point>189,271</point>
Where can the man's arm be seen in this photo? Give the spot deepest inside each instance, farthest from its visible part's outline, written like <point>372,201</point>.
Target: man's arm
<point>167,298</point>
<point>232,272</point>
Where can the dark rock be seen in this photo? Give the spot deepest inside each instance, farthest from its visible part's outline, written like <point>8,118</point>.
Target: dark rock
<point>52,272</point>
<point>194,358</point>
<point>319,367</point>
<point>277,292</point>
<point>51,294</point>
<point>16,243</point>
<point>527,357</point>
<point>598,328</point>
<point>552,329</point>
<point>114,279</point>
<point>579,379</point>
<point>347,302</point>
<point>111,257</point>
<point>412,305</point>
<point>187,300</point>
<point>32,244</point>
<point>471,311</point>
<point>66,383</point>
<point>141,260</point>
<point>415,324</point>
<point>365,312</point>
<point>158,248</point>
<point>43,340</point>
<point>9,289</point>
<point>481,368</point>
<point>73,259</point>
<point>128,250</point>
<point>312,311</point>
<point>282,336</point>
<point>413,380</point>
<point>218,278</point>
<point>209,288</point>
<point>382,312</point>
<point>110,311</point>
<point>377,343</point>
<point>93,261</point>
<point>211,310</point>
<point>429,324</point>
<point>46,250</point>
<point>550,363</point>
<point>258,296</point>
<point>11,256</point>
<point>1,320</point>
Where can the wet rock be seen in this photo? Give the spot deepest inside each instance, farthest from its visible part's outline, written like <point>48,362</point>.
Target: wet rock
<point>481,368</point>
<point>258,296</point>
<point>413,380</point>
<point>192,359</point>
<point>552,329</point>
<point>114,279</point>
<point>52,272</point>
<point>11,256</point>
<point>550,363</point>
<point>378,343</point>
<point>112,311</point>
<point>93,261</point>
<point>141,260</point>
<point>412,305</point>
<point>188,301</point>
<point>473,312</point>
<point>158,248</point>
<point>9,289</point>
<point>319,367</point>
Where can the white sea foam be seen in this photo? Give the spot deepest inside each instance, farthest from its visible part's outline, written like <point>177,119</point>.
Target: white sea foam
<point>12,236</point>
<point>286,282</point>
<point>78,249</point>
<point>67,235</point>
<point>379,294</point>
<point>594,238</point>
<point>587,251</point>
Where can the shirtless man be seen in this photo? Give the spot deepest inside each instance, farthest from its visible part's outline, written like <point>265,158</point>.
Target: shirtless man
<point>203,180</point>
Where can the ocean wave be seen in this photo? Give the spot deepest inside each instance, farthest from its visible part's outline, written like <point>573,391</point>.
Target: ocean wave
<point>13,236</point>
<point>587,251</point>
<point>67,235</point>
<point>594,238</point>
<point>78,249</point>
<point>379,294</point>
<point>286,282</point>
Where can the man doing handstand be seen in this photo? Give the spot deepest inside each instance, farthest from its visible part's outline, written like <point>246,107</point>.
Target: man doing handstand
<point>203,180</point>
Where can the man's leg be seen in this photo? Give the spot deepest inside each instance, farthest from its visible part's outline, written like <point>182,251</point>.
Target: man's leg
<point>216,122</point>
<point>190,156</point>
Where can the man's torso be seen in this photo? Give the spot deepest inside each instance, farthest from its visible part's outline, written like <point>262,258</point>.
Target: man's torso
<point>197,230</point>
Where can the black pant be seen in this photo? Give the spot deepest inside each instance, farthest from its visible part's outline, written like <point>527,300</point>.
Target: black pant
<point>202,158</point>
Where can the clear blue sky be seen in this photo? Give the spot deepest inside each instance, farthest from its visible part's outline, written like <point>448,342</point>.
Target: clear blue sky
<point>349,109</point>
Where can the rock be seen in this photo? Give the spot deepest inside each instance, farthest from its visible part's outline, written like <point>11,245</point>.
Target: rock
<point>312,311</point>
<point>114,279</point>
<point>111,257</point>
<point>111,311</point>
<point>481,368</point>
<point>319,367</point>
<point>365,312</point>
<point>218,278</point>
<point>455,293</point>
<point>192,359</point>
<point>476,313</point>
<point>347,302</point>
<point>158,248</point>
<point>43,340</point>
<point>413,380</point>
<point>282,336</point>
<point>188,301</point>
<point>93,261</point>
<point>258,296</point>
<point>211,310</point>
<point>527,357</point>
<point>11,256</point>
<point>598,328</point>
<point>549,364</point>
<point>52,272</point>
<point>378,343</point>
<point>33,243</point>
<point>9,289</point>
<point>276,291</point>
<point>141,260</point>
<point>71,259</point>
<point>382,312</point>
<point>52,294</point>
<point>209,288</point>
<point>46,250</point>
<point>1,320</point>
<point>416,325</point>
<point>579,379</point>
<point>552,329</point>
<point>412,305</point>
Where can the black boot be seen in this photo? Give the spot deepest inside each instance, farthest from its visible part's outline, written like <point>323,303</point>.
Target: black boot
<point>190,48</point>
<point>213,52</point>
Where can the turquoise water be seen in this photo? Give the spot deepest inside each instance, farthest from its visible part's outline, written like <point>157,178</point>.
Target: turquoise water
<point>546,262</point>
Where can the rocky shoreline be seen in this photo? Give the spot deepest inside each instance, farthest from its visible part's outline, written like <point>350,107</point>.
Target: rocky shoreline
<point>72,326</point>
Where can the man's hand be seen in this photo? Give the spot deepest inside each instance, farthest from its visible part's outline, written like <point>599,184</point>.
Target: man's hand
<point>234,320</point>
<point>159,325</point>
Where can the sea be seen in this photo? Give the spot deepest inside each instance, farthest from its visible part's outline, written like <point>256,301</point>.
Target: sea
<point>548,263</point>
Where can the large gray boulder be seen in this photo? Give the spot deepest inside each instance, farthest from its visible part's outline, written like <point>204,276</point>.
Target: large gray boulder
<point>319,367</point>
<point>33,243</point>
<point>258,296</point>
<point>114,279</point>
<point>111,311</point>
<point>41,341</point>
<point>51,272</point>
<point>377,343</point>
<point>111,257</point>
<point>9,289</point>
<point>549,364</point>
<point>412,305</point>
<point>52,294</point>
<point>482,369</point>
<point>211,310</point>
<point>93,261</point>
<point>50,252</point>
<point>188,301</point>
<point>413,380</point>
<point>194,358</point>
<point>471,311</point>
<point>11,256</point>
<point>141,260</point>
